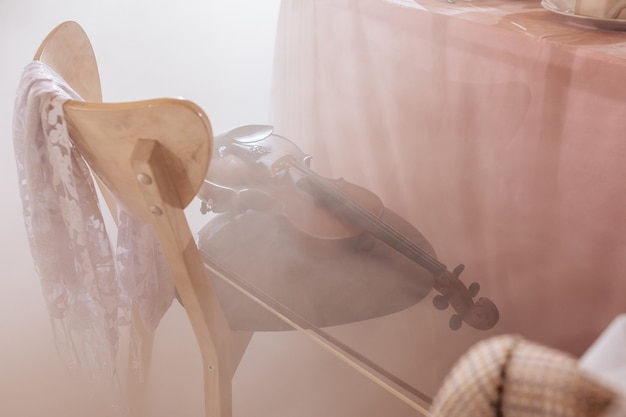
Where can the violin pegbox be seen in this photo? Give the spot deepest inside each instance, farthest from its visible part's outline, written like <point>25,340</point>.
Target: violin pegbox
<point>482,314</point>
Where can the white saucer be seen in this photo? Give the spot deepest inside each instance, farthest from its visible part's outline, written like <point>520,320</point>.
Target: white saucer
<point>588,21</point>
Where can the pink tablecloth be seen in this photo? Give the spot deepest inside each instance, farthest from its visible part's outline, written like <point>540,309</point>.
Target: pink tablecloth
<point>495,127</point>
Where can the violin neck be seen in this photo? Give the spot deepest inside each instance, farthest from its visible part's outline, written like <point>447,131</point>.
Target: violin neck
<point>341,204</point>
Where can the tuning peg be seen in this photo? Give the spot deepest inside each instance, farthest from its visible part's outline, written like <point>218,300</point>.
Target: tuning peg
<point>455,322</point>
<point>440,302</point>
<point>473,289</point>
<point>458,269</point>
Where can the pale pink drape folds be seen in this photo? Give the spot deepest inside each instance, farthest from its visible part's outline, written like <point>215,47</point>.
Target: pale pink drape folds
<point>86,290</point>
<point>493,126</point>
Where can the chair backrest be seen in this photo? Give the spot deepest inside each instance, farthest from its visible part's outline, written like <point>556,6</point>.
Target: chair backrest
<point>68,51</point>
<point>106,133</point>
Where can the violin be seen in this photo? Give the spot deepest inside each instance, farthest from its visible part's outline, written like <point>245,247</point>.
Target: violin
<point>252,167</point>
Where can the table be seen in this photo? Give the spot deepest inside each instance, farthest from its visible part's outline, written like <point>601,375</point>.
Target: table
<point>494,127</point>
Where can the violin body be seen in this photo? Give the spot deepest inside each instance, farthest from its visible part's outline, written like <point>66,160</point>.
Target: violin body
<point>253,169</point>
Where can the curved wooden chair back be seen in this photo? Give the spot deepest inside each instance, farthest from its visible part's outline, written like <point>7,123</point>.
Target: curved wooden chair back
<point>68,51</point>
<point>107,136</point>
<point>106,133</point>
<point>150,158</point>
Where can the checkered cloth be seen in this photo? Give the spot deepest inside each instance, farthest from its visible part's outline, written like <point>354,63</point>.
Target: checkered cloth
<point>507,376</point>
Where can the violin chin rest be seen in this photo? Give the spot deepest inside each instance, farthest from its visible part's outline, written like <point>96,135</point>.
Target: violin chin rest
<point>483,315</point>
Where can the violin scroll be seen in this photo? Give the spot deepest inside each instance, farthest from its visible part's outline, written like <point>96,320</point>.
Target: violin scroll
<point>482,314</point>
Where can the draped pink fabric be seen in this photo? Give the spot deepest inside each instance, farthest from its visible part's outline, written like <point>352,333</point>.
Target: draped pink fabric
<point>495,127</point>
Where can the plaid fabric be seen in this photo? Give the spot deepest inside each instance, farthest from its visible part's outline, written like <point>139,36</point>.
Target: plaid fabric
<point>507,376</point>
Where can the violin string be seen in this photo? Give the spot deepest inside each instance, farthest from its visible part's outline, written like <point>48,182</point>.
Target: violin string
<point>433,265</point>
<point>384,228</point>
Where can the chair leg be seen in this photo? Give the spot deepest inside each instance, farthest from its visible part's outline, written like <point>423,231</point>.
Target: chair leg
<point>218,376</point>
<point>217,390</point>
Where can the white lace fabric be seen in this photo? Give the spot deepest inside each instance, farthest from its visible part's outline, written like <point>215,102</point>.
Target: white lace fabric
<point>84,283</point>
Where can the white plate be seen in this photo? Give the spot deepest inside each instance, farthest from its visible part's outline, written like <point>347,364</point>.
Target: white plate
<point>588,21</point>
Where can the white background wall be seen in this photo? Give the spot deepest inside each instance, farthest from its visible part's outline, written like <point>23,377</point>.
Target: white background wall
<point>216,53</point>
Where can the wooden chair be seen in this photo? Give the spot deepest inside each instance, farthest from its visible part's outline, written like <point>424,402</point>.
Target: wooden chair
<point>150,158</point>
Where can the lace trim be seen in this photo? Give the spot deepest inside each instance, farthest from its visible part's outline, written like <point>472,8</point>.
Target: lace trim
<point>86,296</point>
